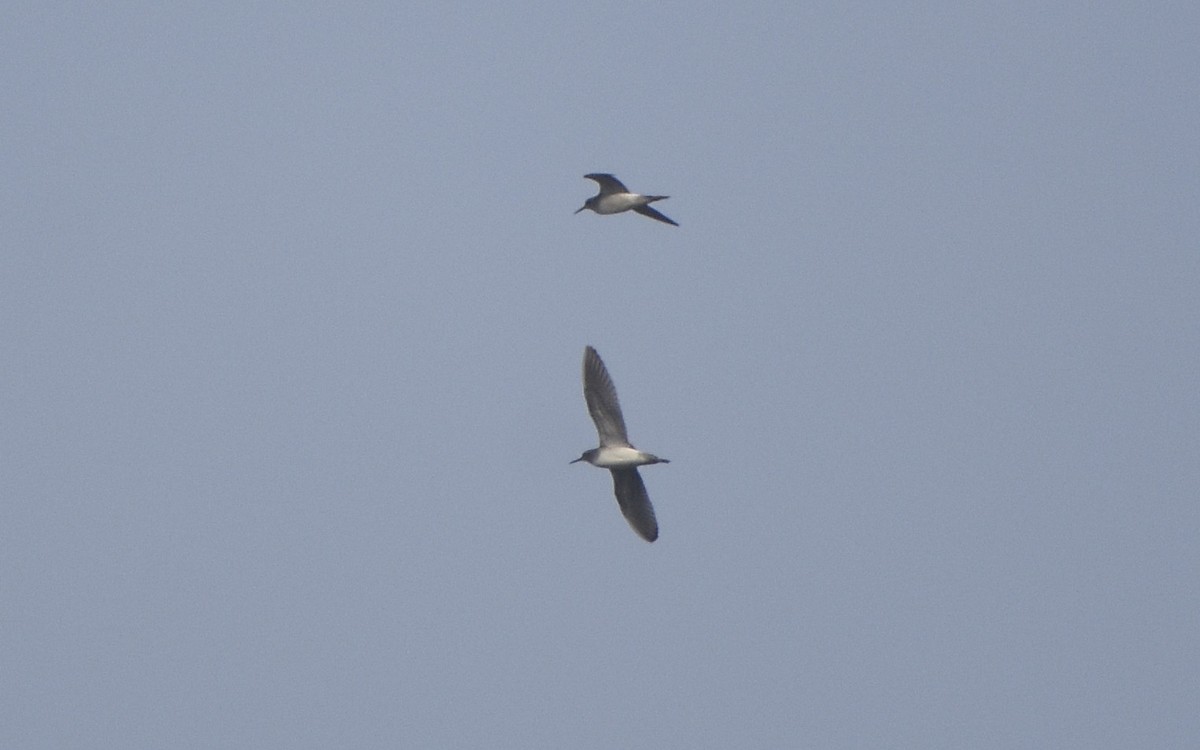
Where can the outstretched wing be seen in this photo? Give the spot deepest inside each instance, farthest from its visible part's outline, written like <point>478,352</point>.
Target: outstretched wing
<point>635,503</point>
<point>607,183</point>
<point>653,214</point>
<point>602,403</point>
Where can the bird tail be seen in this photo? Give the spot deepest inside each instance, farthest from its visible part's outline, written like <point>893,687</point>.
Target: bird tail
<point>652,198</point>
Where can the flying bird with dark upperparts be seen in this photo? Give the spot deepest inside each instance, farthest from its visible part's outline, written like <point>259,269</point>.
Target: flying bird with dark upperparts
<point>614,198</point>
<point>615,453</point>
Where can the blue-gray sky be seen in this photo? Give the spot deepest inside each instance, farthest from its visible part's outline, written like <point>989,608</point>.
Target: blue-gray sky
<point>292,307</point>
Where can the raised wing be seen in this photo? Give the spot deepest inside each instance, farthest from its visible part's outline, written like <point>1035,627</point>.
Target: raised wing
<point>602,403</point>
<point>653,214</point>
<point>635,503</point>
<point>607,183</point>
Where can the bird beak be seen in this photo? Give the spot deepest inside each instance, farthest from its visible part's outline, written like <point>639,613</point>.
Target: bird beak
<point>581,457</point>
<point>580,209</point>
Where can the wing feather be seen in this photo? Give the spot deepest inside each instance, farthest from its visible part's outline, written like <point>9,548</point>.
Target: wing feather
<point>635,502</point>
<point>607,183</point>
<point>602,403</point>
<point>653,214</point>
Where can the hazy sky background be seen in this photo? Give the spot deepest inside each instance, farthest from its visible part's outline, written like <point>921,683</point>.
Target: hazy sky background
<point>292,307</point>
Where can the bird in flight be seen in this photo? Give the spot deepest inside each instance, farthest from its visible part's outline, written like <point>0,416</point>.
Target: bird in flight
<point>614,198</point>
<point>615,453</point>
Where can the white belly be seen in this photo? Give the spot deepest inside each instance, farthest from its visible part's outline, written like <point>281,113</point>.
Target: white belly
<point>616,457</point>
<point>618,202</point>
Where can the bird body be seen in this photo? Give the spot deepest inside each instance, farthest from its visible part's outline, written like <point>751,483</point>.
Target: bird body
<point>615,198</point>
<point>615,452</point>
<point>618,457</point>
